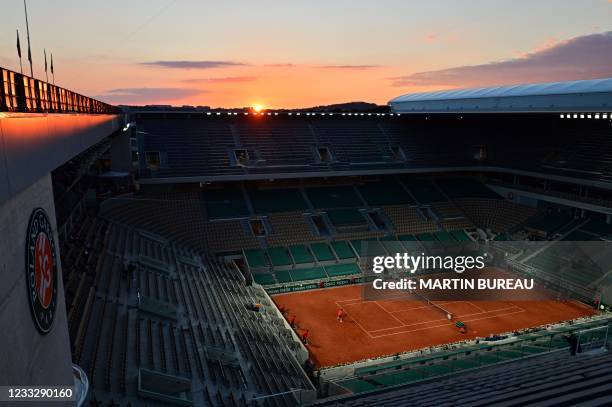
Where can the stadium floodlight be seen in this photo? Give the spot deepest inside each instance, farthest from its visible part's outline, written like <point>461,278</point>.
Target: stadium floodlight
<point>575,116</point>
<point>290,114</point>
<point>562,116</point>
<point>275,113</point>
<point>298,113</point>
<point>597,115</point>
<point>582,116</point>
<point>604,116</point>
<point>246,113</point>
<point>369,114</point>
<point>589,116</point>
<point>343,114</point>
<point>208,113</point>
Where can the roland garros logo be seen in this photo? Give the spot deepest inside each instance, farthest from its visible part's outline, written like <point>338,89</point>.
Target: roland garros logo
<point>41,270</point>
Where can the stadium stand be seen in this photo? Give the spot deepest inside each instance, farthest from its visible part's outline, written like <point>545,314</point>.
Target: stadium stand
<point>527,381</point>
<point>171,303</point>
<point>160,307</point>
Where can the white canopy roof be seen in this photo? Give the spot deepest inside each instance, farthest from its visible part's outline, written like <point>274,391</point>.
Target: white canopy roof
<point>584,95</point>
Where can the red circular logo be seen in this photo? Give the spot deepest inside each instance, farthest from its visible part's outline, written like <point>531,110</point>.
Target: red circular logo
<point>41,270</point>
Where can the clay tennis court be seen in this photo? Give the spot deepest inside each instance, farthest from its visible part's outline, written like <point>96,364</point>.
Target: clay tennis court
<point>384,327</point>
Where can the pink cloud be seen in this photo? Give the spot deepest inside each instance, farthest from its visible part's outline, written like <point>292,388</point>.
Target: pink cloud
<point>584,57</point>
<point>227,79</point>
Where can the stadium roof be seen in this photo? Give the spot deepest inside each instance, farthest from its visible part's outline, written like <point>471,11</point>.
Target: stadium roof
<point>594,95</point>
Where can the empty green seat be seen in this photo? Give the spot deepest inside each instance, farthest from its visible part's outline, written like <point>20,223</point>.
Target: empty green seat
<point>466,188</point>
<point>392,244</point>
<point>407,238</point>
<point>426,237</point>
<point>460,236</point>
<point>277,200</point>
<point>343,250</point>
<point>368,247</point>
<point>279,256</point>
<point>255,258</point>
<point>443,236</point>
<point>342,269</point>
<point>283,276</point>
<point>322,252</point>
<point>301,254</point>
<point>225,203</point>
<point>346,217</point>
<point>333,197</point>
<point>313,273</point>
<point>384,193</point>
<point>424,191</point>
<point>264,278</point>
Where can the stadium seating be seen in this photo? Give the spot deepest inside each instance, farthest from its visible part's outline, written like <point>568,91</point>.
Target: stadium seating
<point>333,197</point>
<point>546,378</point>
<point>456,188</point>
<point>497,215</point>
<point>548,223</point>
<point>200,145</point>
<point>184,315</point>
<point>187,333</point>
<point>267,138</point>
<point>424,191</point>
<point>226,203</point>
<point>277,200</point>
<point>384,193</point>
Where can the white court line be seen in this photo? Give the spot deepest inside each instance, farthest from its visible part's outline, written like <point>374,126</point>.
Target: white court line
<point>409,325</point>
<point>488,312</point>
<point>350,299</point>
<point>403,324</point>
<point>495,316</point>
<point>476,306</point>
<point>391,315</point>
<point>357,323</point>
<point>421,307</point>
<point>443,325</point>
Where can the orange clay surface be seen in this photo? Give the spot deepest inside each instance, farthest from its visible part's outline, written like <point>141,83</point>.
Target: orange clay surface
<point>385,327</point>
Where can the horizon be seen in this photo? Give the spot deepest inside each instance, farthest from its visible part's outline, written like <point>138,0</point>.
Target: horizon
<point>305,54</point>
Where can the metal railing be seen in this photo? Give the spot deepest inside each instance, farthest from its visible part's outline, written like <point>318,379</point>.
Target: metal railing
<point>22,94</point>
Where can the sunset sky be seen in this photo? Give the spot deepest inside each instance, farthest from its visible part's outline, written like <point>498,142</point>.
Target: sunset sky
<point>305,53</point>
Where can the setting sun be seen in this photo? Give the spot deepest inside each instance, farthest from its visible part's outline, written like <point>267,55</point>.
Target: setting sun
<point>257,107</point>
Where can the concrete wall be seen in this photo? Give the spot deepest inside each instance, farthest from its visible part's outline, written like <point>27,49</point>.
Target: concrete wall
<point>120,152</point>
<point>32,145</point>
<point>26,356</point>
